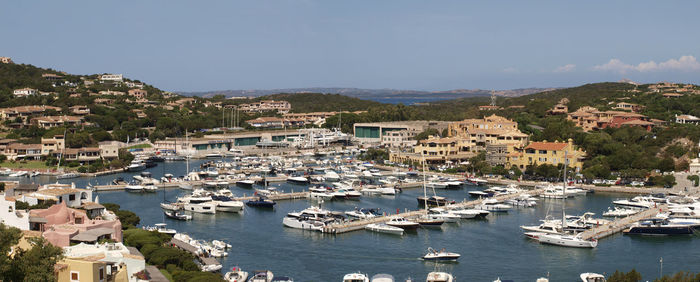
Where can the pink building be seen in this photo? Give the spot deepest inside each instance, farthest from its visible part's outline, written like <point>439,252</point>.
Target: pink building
<point>62,225</point>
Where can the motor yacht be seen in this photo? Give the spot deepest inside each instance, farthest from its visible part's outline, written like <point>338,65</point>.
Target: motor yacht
<point>493,205</point>
<point>621,212</point>
<point>470,213</point>
<point>206,208</point>
<point>261,276</point>
<point>133,187</point>
<point>433,201</point>
<point>636,202</point>
<point>261,202</point>
<point>447,216</point>
<point>150,187</point>
<point>170,206</point>
<point>441,255</point>
<point>382,278</point>
<point>355,277</point>
<point>592,277</point>
<point>403,223</point>
<point>246,183</point>
<point>161,228</point>
<point>226,204</point>
<point>428,221</point>
<point>363,213</point>
<point>298,180</point>
<point>439,277</point>
<point>662,226</point>
<point>236,275</point>
<point>384,228</point>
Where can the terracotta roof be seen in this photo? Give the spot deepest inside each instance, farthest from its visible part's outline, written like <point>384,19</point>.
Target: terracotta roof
<point>637,122</point>
<point>550,146</point>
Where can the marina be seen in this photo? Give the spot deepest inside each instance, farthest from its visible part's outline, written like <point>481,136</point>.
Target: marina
<point>262,242</point>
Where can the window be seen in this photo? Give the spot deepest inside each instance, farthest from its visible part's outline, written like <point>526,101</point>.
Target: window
<point>71,197</point>
<point>102,273</point>
<point>543,151</point>
<point>74,276</point>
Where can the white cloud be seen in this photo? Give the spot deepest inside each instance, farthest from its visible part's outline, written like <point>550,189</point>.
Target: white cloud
<point>684,63</point>
<point>510,70</point>
<point>565,68</point>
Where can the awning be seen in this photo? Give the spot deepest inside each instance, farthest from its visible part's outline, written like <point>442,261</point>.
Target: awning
<point>36,219</point>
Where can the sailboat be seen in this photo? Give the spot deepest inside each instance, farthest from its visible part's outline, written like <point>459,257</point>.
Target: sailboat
<point>428,221</point>
<point>563,239</point>
<point>185,185</point>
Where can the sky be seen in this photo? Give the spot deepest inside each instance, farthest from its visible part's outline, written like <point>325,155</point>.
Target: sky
<point>401,44</point>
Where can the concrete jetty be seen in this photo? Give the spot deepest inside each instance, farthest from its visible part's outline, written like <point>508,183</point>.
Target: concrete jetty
<point>360,224</point>
<point>187,247</point>
<point>621,224</point>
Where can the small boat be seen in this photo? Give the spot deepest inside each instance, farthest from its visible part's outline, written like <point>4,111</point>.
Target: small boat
<point>177,215</point>
<point>136,165</point>
<point>384,228</point>
<point>401,222</point>
<point>382,278</point>
<point>433,201</point>
<point>476,181</point>
<point>439,277</point>
<point>261,203</point>
<point>470,213</point>
<point>247,183</point>
<point>19,174</point>
<point>298,180</point>
<point>261,276</point>
<point>283,279</point>
<point>480,194</point>
<point>214,156</point>
<point>67,175</point>
<point>592,277</point>
<point>133,187</point>
<point>493,205</point>
<point>150,187</point>
<point>161,228</point>
<point>236,275</point>
<point>446,216</point>
<point>441,255</point>
<point>621,212</point>
<point>185,186</point>
<point>430,222</point>
<point>226,204</point>
<point>363,213</point>
<point>355,277</point>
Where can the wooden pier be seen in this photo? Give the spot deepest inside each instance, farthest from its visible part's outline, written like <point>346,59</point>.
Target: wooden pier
<point>360,224</point>
<point>621,224</point>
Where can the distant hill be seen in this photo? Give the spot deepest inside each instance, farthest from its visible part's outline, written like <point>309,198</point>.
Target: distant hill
<point>374,94</point>
<point>317,102</point>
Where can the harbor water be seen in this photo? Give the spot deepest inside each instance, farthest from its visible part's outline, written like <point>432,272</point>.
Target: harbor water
<point>490,248</point>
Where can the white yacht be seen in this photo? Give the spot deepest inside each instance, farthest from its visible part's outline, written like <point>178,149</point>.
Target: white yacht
<point>207,208</point>
<point>402,223</point>
<point>446,216</point>
<point>592,277</point>
<point>439,277</point>
<point>637,202</point>
<point>236,275</point>
<point>384,228</point>
<point>136,165</point>
<point>382,278</point>
<point>331,176</point>
<point>441,255</point>
<point>355,277</point>
<point>621,212</point>
<point>133,187</point>
<point>470,213</point>
<point>261,276</point>
<point>565,240</point>
<point>493,205</point>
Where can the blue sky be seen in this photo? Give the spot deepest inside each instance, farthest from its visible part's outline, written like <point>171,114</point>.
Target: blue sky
<point>404,44</point>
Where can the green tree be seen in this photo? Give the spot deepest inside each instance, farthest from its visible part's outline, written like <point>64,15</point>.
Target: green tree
<point>428,132</point>
<point>9,236</point>
<point>632,276</point>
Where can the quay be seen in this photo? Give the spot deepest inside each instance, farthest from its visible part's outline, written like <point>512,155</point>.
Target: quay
<point>187,247</point>
<point>621,224</point>
<point>360,224</point>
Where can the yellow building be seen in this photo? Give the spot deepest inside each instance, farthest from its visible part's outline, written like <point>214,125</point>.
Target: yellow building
<point>547,153</point>
<point>88,269</point>
<point>434,150</point>
<point>491,130</point>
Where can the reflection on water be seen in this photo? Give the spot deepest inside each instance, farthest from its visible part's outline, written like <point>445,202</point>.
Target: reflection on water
<point>490,248</point>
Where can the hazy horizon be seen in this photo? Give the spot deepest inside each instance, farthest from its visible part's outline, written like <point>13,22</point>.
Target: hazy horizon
<point>409,45</point>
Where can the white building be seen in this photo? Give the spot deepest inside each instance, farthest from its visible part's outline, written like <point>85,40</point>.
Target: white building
<point>24,92</point>
<point>684,119</point>
<point>112,77</point>
<point>114,254</point>
<point>73,197</point>
<point>10,216</point>
<point>695,166</point>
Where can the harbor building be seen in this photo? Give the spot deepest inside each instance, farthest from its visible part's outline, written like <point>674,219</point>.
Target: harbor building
<point>372,133</point>
<point>552,153</point>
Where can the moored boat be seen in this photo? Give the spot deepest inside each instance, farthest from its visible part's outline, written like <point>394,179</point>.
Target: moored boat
<point>442,255</point>
<point>384,228</point>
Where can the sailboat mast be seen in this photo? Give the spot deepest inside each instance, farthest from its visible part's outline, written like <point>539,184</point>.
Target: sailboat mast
<point>563,205</point>
<point>425,196</point>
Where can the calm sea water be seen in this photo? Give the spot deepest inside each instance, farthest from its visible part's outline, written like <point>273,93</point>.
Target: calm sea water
<point>490,248</point>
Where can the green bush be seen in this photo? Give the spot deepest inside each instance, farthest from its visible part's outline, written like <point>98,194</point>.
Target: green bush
<point>82,169</point>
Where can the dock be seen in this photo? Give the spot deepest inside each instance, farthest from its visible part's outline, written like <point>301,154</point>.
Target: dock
<point>621,224</point>
<point>360,224</point>
<point>189,248</point>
